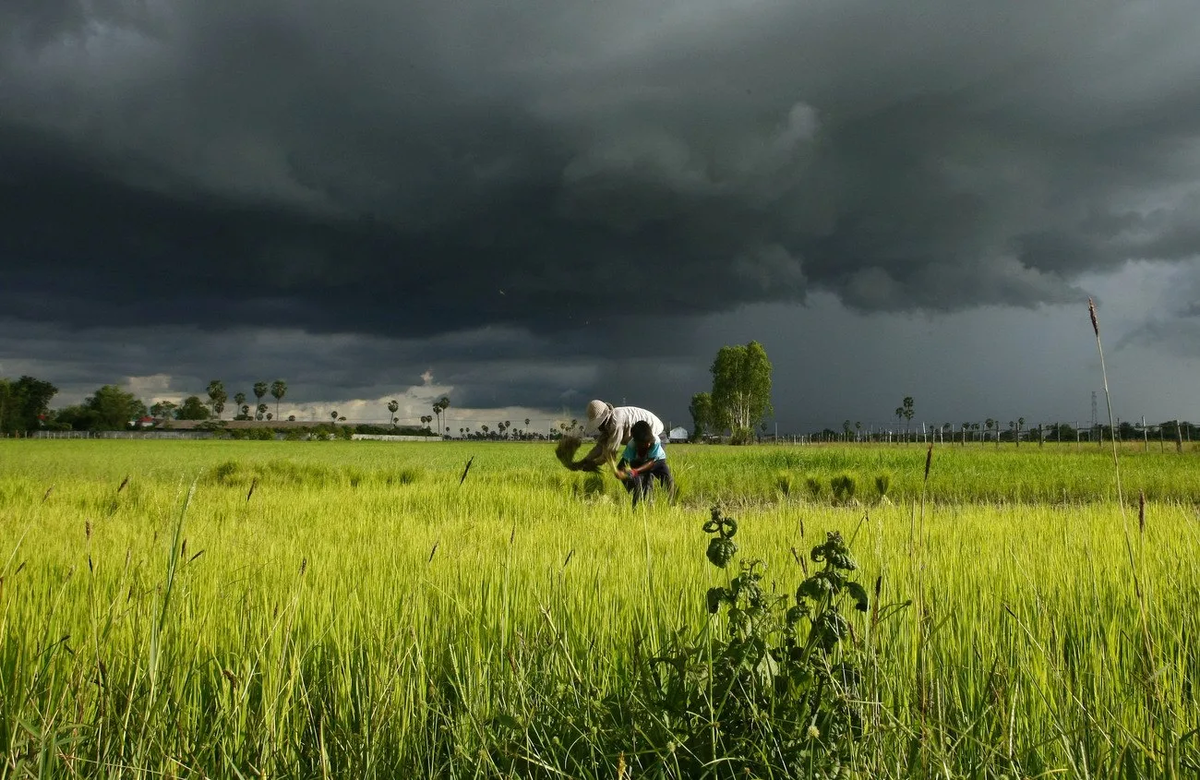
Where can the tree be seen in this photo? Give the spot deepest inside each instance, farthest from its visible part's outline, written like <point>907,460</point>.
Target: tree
<point>701,410</point>
<point>907,403</point>
<point>75,418</point>
<point>278,391</point>
<point>741,391</point>
<point>112,408</point>
<point>192,408</point>
<point>439,407</point>
<point>24,404</point>
<point>392,406</point>
<point>163,410</point>
<point>1020,423</point>
<point>240,400</point>
<point>261,411</point>
<point>260,389</point>
<point>333,415</point>
<point>989,423</point>
<point>7,403</point>
<point>217,396</point>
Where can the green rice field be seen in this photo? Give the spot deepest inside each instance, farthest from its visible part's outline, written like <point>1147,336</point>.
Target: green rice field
<point>361,609</point>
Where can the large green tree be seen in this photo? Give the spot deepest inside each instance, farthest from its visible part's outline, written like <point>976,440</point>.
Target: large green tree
<point>24,404</point>
<point>741,391</point>
<point>701,411</point>
<point>192,408</point>
<point>113,408</point>
<point>74,418</point>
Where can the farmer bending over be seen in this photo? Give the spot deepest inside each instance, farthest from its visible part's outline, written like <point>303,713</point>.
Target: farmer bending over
<point>643,461</point>
<point>615,427</point>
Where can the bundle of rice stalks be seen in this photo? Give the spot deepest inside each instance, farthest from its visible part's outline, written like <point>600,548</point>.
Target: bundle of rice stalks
<point>565,452</point>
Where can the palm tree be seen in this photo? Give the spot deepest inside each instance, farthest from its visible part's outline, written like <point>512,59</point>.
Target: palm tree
<point>240,400</point>
<point>260,389</point>
<point>858,430</point>
<point>989,422</point>
<point>246,411</point>
<point>899,417</point>
<point>1020,423</point>
<point>278,391</point>
<point>393,405</point>
<point>332,415</point>
<point>908,412</point>
<point>262,411</point>
<point>440,406</point>
<point>218,396</point>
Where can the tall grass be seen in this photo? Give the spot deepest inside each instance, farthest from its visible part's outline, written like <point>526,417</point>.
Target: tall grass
<point>361,614</point>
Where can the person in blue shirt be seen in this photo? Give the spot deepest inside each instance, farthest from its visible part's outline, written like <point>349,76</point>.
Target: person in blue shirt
<point>642,461</point>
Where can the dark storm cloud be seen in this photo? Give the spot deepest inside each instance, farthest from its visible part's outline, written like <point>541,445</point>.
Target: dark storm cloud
<point>410,169</point>
<point>490,367</point>
<point>1173,325</point>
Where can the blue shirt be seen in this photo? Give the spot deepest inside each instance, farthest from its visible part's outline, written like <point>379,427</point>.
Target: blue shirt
<point>630,454</point>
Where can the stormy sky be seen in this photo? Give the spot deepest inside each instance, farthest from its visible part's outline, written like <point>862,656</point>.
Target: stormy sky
<point>525,205</point>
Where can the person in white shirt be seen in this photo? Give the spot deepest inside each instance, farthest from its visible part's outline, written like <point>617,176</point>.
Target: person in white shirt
<point>614,426</point>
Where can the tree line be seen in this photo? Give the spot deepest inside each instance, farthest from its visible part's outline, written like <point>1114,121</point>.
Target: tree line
<point>25,407</point>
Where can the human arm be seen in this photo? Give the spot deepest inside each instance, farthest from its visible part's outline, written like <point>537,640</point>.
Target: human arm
<point>655,454</point>
<point>607,447</point>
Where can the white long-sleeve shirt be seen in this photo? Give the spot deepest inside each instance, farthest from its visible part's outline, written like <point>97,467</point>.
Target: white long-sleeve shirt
<point>620,431</point>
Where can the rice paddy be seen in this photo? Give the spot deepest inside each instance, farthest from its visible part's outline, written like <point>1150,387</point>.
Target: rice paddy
<point>349,609</point>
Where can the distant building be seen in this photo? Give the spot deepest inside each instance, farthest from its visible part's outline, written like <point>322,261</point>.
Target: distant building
<point>678,434</point>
